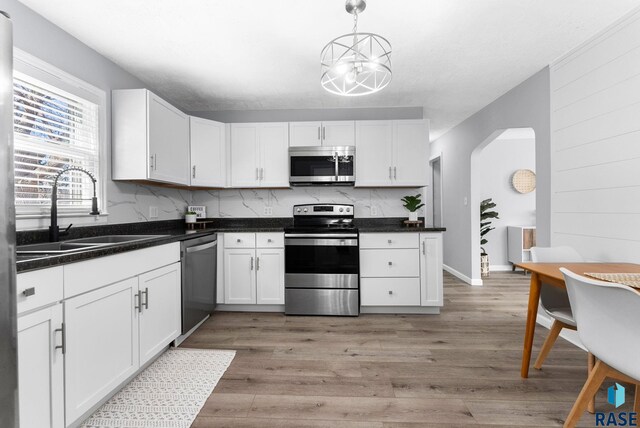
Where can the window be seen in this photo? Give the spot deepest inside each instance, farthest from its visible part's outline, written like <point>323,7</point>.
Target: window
<point>53,130</point>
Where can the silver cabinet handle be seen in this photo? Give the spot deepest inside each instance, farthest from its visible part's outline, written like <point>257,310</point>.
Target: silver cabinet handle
<point>257,174</point>
<point>337,170</point>
<point>29,291</point>
<point>269,240</point>
<point>395,171</point>
<point>318,132</point>
<point>136,302</point>
<point>151,162</point>
<point>251,267</point>
<point>390,263</point>
<point>261,173</point>
<point>324,134</point>
<point>238,240</point>
<point>146,298</point>
<point>194,171</point>
<point>390,176</point>
<point>63,345</point>
<point>424,247</point>
<point>257,263</point>
<point>389,241</point>
<point>390,292</point>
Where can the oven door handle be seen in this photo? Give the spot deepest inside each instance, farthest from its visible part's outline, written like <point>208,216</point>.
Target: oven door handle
<point>321,235</point>
<point>321,242</point>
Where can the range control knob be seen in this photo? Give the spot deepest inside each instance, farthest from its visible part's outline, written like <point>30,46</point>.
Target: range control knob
<point>298,210</point>
<point>305,210</point>
<point>348,210</point>
<point>341,209</point>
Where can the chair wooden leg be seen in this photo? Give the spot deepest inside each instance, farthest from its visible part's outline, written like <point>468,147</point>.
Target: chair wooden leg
<point>636,401</point>
<point>591,361</point>
<point>595,379</point>
<point>548,343</point>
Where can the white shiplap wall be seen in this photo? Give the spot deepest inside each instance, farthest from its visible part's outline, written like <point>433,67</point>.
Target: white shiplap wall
<point>595,145</point>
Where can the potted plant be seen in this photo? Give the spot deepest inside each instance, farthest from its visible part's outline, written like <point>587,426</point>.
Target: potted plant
<point>190,217</point>
<point>486,214</point>
<point>413,204</point>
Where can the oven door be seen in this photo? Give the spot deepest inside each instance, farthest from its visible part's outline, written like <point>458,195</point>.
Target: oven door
<point>321,165</point>
<point>321,261</point>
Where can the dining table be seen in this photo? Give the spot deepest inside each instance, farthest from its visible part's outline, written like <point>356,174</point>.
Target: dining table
<point>549,273</point>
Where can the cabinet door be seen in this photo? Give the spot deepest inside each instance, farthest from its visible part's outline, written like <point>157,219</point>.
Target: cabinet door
<point>41,369</point>
<point>208,158</point>
<point>374,141</point>
<point>274,155</point>
<point>431,269</point>
<point>102,344</point>
<point>239,276</point>
<point>305,134</point>
<point>339,133</point>
<point>411,143</point>
<point>168,133</point>
<point>160,304</point>
<point>244,155</point>
<point>270,276</point>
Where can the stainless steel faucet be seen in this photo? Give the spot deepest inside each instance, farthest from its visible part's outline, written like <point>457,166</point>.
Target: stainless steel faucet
<point>54,230</point>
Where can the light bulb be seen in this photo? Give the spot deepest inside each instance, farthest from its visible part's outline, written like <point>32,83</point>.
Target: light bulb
<point>351,76</point>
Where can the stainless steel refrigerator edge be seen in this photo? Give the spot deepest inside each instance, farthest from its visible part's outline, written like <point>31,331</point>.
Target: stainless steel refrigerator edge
<point>8,322</point>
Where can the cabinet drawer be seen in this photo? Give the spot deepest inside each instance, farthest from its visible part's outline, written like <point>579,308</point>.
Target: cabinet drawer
<point>390,292</point>
<point>39,288</point>
<point>389,240</point>
<point>270,240</point>
<point>240,240</point>
<point>389,263</point>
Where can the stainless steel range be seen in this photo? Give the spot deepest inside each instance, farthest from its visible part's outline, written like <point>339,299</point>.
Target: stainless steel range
<point>322,261</point>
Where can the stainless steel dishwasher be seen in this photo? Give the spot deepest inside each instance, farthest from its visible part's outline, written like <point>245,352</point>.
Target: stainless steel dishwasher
<point>199,259</point>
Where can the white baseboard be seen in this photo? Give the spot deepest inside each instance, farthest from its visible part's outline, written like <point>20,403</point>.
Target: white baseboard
<point>570,336</point>
<point>249,308</point>
<point>430,310</point>
<point>461,276</point>
<point>500,268</point>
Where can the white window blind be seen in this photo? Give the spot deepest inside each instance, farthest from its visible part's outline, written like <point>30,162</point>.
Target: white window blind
<point>53,130</point>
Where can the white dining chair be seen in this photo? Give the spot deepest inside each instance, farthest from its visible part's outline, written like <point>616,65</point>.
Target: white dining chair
<point>608,315</point>
<point>554,300</point>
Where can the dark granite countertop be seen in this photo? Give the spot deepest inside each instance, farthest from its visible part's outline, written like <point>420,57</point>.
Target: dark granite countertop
<point>175,231</point>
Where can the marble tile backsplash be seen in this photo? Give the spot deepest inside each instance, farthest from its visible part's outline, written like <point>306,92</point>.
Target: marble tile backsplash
<point>131,202</point>
<point>252,202</point>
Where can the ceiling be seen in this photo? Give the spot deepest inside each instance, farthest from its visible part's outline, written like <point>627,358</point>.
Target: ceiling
<point>452,57</point>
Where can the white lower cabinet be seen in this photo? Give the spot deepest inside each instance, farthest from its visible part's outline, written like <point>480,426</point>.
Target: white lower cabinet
<point>102,344</point>
<point>160,316</point>
<point>401,269</point>
<point>239,276</point>
<point>254,268</point>
<point>41,368</point>
<point>270,276</point>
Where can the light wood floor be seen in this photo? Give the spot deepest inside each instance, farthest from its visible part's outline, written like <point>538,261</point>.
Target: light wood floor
<point>454,369</point>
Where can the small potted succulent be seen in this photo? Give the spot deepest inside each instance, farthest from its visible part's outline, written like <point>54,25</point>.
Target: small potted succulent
<point>413,204</point>
<point>190,217</point>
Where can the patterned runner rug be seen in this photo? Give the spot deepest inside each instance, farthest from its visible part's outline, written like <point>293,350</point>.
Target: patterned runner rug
<point>167,394</point>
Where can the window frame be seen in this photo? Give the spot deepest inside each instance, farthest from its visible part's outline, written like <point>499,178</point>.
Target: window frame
<point>31,66</point>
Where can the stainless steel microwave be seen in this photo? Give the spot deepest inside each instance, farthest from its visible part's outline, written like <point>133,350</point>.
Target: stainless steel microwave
<point>318,165</point>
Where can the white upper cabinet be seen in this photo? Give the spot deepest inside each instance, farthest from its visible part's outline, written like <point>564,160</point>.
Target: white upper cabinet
<point>392,153</point>
<point>259,155</point>
<point>336,133</point>
<point>150,138</point>
<point>207,153</point>
<point>374,151</point>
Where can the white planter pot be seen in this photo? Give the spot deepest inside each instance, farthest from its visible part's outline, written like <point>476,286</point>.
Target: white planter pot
<point>413,216</point>
<point>484,265</point>
<point>190,218</point>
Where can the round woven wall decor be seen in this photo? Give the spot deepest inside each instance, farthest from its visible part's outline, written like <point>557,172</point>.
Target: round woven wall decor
<point>524,180</point>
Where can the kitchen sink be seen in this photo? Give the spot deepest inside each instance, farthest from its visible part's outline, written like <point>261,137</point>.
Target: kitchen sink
<point>54,248</point>
<point>113,239</point>
<point>81,244</point>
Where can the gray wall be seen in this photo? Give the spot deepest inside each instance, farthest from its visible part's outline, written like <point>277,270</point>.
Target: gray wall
<point>40,38</point>
<point>526,105</point>
<point>383,113</point>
